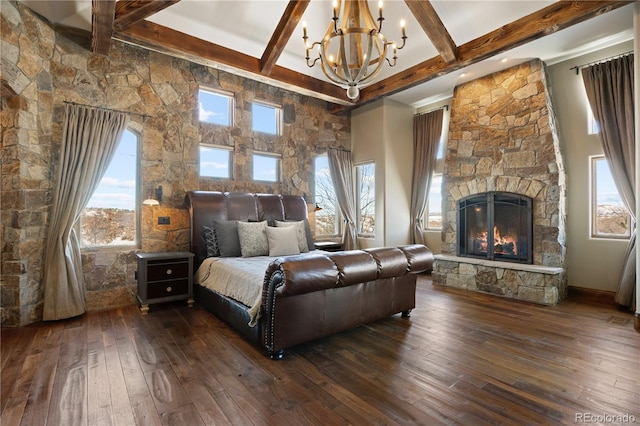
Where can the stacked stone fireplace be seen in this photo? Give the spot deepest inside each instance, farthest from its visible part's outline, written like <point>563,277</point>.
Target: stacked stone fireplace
<point>502,139</point>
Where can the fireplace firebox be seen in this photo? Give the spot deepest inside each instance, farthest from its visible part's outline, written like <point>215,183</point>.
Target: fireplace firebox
<point>496,226</point>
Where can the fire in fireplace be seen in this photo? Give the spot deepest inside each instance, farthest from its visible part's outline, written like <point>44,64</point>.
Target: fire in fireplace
<point>496,226</point>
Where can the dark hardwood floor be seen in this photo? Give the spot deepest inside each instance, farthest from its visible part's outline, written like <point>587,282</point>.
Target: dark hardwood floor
<point>462,358</point>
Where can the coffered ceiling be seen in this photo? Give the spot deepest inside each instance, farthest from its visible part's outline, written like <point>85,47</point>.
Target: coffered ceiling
<point>449,41</point>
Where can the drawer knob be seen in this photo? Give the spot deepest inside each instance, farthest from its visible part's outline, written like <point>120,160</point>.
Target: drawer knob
<point>169,289</point>
<point>169,272</point>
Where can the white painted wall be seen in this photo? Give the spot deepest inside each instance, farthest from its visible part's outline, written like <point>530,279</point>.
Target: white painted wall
<point>383,132</point>
<point>591,263</point>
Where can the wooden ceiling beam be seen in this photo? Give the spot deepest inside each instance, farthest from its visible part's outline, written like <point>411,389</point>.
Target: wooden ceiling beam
<point>128,12</point>
<point>548,20</point>
<point>166,40</point>
<point>288,22</point>
<point>102,13</point>
<point>430,22</point>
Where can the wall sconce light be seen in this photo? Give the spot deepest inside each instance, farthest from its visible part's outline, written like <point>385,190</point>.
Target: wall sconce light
<point>154,201</point>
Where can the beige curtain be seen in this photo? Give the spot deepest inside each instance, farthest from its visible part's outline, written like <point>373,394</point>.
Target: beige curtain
<point>89,139</point>
<point>341,169</point>
<point>609,87</point>
<point>427,129</point>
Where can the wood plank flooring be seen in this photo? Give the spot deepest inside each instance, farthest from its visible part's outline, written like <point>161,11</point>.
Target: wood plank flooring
<point>462,358</point>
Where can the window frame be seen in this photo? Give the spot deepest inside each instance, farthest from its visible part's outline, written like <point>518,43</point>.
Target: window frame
<point>229,149</point>
<point>278,116</point>
<point>359,199</point>
<point>593,128</point>
<point>337,212</point>
<point>137,205</point>
<point>231,105</point>
<point>593,204</point>
<point>278,158</point>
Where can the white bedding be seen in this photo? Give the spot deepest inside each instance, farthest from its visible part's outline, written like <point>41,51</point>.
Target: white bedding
<point>240,278</point>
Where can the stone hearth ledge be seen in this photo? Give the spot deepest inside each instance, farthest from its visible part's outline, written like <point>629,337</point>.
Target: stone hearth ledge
<point>531,283</point>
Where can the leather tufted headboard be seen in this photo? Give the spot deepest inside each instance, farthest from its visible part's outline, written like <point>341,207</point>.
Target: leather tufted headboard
<point>207,206</point>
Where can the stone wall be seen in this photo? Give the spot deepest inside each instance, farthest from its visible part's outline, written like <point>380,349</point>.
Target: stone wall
<point>42,67</point>
<point>502,137</point>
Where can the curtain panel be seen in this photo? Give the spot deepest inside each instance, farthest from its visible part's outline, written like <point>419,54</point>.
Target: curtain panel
<point>609,87</point>
<point>89,140</point>
<point>427,129</point>
<point>341,169</point>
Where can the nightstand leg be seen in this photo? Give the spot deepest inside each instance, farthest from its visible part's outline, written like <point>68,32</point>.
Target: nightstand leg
<point>190,302</point>
<point>144,309</point>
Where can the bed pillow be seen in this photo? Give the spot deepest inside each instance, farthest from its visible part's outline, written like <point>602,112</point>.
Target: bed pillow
<point>253,238</point>
<point>301,236</point>
<point>210,241</point>
<point>227,237</point>
<point>283,241</point>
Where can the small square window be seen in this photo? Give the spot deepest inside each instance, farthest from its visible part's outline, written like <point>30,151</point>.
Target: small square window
<point>216,161</point>
<point>215,107</point>
<point>266,167</point>
<point>266,118</point>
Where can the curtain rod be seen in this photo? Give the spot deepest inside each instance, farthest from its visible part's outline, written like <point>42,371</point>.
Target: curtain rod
<point>144,116</point>
<point>444,107</point>
<point>620,55</point>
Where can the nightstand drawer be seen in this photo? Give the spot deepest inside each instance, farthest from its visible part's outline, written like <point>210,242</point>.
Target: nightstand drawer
<point>172,288</point>
<point>167,271</point>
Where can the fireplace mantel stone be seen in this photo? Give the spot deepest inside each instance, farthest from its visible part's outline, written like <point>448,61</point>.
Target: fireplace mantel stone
<point>532,283</point>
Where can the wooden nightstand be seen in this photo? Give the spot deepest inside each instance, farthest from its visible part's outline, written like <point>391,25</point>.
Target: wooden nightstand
<point>164,277</point>
<point>328,246</point>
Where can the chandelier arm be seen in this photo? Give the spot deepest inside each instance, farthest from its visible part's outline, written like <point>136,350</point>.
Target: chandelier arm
<point>367,60</point>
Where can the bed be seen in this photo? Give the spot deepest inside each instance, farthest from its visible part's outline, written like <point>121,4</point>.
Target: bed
<point>299,297</point>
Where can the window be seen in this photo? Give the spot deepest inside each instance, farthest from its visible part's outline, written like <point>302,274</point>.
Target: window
<point>594,128</point>
<point>110,217</point>
<point>327,220</point>
<point>216,161</point>
<point>433,214</point>
<point>266,118</point>
<point>266,167</point>
<point>215,107</point>
<point>366,197</point>
<point>609,216</point>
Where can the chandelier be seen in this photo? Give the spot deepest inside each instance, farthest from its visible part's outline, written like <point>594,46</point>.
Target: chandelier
<point>352,54</point>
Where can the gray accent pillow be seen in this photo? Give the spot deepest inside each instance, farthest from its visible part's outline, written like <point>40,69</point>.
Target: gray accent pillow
<point>210,240</point>
<point>253,238</point>
<point>227,236</point>
<point>282,241</point>
<point>303,245</point>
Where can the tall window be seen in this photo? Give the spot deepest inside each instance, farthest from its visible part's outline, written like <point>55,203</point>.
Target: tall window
<point>609,216</point>
<point>110,217</point>
<point>215,107</point>
<point>327,220</point>
<point>366,198</point>
<point>266,117</point>
<point>433,215</point>
<point>216,161</point>
<point>266,167</point>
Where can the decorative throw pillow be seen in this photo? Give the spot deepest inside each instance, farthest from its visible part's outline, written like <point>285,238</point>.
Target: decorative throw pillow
<point>283,241</point>
<point>227,237</point>
<point>253,238</point>
<point>303,246</point>
<point>210,240</point>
